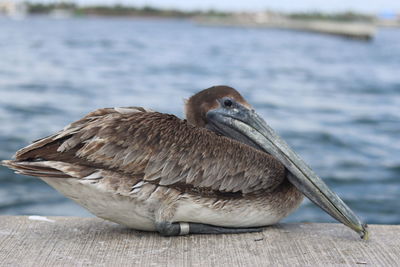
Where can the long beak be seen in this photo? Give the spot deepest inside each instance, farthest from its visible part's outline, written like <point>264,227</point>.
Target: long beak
<point>246,125</point>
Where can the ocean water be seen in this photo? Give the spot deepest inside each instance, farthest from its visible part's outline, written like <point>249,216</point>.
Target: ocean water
<point>335,101</point>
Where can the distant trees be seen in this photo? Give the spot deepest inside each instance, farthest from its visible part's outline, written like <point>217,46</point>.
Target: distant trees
<point>115,10</point>
<point>41,8</point>
<point>122,10</point>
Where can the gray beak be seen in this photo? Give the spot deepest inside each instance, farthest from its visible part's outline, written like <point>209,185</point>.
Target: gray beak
<point>245,125</point>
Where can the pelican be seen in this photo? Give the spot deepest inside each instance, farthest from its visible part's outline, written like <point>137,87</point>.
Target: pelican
<point>222,170</point>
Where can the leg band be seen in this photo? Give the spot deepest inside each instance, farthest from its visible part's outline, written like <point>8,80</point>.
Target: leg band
<point>184,228</point>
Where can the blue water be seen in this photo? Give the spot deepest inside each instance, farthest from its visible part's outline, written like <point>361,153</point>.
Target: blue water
<point>336,101</point>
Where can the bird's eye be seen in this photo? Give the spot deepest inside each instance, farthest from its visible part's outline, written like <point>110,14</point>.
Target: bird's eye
<point>228,103</point>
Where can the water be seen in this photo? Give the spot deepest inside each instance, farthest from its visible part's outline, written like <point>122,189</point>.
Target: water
<point>336,101</point>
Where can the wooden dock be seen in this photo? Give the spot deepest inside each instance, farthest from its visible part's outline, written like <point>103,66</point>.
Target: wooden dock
<point>67,241</point>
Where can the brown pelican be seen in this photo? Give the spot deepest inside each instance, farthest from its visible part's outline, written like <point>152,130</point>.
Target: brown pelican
<point>222,170</point>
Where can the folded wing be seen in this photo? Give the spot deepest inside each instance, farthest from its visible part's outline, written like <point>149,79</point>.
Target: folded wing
<point>158,148</point>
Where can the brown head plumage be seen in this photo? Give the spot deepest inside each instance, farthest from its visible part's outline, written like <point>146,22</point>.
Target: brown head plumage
<point>199,104</point>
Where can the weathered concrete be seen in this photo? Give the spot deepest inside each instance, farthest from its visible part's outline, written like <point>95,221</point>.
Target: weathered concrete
<point>91,241</point>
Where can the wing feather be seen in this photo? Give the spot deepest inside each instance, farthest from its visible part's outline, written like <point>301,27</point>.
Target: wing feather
<point>162,148</point>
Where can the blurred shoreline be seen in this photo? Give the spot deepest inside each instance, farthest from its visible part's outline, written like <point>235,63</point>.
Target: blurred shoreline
<point>349,24</point>
<point>68,9</point>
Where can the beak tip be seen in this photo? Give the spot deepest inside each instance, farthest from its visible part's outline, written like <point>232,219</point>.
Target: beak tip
<point>364,234</point>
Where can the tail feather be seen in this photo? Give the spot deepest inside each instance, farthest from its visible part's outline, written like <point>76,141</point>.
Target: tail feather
<point>49,169</point>
<point>54,171</point>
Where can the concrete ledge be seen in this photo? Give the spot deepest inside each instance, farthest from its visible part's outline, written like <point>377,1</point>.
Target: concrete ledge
<point>90,241</point>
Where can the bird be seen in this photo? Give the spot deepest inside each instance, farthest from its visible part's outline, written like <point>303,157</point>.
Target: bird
<point>220,170</point>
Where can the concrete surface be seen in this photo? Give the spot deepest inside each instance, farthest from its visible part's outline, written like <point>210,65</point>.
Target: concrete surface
<point>68,241</point>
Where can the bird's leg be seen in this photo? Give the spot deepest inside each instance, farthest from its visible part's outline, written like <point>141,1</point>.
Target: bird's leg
<point>168,228</point>
<point>199,228</point>
<point>184,228</point>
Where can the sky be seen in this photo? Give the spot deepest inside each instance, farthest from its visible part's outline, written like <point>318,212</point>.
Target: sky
<point>369,6</point>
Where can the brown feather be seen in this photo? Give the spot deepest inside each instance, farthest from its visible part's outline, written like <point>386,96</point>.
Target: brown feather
<point>161,148</point>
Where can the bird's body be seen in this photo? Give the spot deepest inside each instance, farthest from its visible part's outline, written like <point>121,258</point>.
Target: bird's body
<point>223,170</point>
<point>136,167</point>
